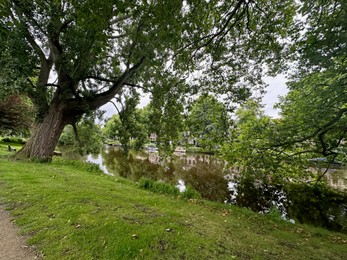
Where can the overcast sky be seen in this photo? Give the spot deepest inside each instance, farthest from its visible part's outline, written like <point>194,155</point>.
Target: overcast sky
<point>275,89</point>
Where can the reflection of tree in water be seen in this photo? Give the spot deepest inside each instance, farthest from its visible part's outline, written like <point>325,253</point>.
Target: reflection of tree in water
<point>202,172</point>
<point>205,175</point>
<point>134,165</point>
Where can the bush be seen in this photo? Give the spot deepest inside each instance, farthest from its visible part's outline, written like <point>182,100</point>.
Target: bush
<point>158,187</point>
<point>87,166</point>
<point>167,189</point>
<point>318,205</point>
<point>190,193</point>
<point>13,139</point>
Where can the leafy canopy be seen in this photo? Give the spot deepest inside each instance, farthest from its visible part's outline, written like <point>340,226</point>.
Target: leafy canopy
<point>208,122</point>
<point>95,47</point>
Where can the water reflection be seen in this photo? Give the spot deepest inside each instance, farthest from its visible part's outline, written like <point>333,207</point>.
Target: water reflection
<point>203,172</point>
<point>97,159</point>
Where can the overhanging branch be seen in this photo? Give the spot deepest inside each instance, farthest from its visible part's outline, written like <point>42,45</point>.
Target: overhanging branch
<point>103,98</point>
<point>320,131</point>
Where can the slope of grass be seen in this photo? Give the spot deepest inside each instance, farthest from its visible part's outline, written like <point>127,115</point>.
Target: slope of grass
<point>72,211</point>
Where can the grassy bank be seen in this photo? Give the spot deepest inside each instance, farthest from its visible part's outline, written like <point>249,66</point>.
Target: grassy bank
<point>72,211</point>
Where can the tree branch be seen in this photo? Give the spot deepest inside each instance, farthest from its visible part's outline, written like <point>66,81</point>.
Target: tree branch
<point>76,134</point>
<point>325,127</point>
<point>103,98</point>
<point>114,106</point>
<point>117,36</point>
<point>212,36</point>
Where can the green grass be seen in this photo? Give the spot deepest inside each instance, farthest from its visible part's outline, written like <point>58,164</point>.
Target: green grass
<point>72,211</point>
<point>4,148</point>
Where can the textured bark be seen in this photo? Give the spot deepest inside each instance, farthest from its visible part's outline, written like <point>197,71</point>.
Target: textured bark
<point>45,135</point>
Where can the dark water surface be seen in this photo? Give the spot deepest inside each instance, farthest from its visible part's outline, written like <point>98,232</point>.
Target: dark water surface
<point>201,171</point>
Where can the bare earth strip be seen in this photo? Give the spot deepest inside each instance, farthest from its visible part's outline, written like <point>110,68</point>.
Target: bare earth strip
<point>12,245</point>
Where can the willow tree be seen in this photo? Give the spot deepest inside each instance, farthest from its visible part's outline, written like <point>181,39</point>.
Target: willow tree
<point>71,57</point>
<point>314,113</point>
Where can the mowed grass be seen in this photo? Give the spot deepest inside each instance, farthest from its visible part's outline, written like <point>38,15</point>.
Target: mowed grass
<point>69,212</point>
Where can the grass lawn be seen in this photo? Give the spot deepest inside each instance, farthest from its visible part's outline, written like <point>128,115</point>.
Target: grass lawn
<point>71,211</point>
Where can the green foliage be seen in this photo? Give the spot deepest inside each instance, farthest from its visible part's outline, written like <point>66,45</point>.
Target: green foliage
<point>76,164</point>
<point>250,152</point>
<point>314,115</point>
<point>129,126</point>
<point>167,189</point>
<point>322,46</point>
<point>208,122</point>
<point>88,138</point>
<point>68,136</point>
<point>274,214</point>
<point>158,187</point>
<point>16,114</point>
<point>326,206</point>
<point>166,113</point>
<point>190,193</point>
<point>100,49</point>
<point>13,139</point>
<point>314,111</point>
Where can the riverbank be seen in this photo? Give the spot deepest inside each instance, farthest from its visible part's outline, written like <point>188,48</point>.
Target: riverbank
<point>73,211</point>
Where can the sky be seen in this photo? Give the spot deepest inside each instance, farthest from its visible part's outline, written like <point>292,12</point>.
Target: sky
<point>276,88</point>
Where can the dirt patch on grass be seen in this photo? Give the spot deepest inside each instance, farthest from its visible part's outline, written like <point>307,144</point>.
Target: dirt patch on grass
<point>13,245</point>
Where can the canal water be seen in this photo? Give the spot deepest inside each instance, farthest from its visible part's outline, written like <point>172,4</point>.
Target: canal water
<point>205,173</point>
<point>201,171</point>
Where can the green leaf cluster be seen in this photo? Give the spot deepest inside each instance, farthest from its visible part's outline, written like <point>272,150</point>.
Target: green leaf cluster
<point>208,122</point>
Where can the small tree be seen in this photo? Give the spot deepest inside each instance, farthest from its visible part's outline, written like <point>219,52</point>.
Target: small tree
<point>85,136</point>
<point>251,151</point>
<point>208,122</point>
<point>128,126</point>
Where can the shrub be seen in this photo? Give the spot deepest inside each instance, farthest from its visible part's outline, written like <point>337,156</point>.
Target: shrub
<point>87,166</point>
<point>14,139</point>
<point>158,187</point>
<point>167,189</point>
<point>190,193</point>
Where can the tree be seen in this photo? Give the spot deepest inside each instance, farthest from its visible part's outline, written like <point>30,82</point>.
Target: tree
<point>85,136</point>
<point>16,114</point>
<point>252,153</point>
<point>95,49</point>
<point>129,124</point>
<point>314,111</point>
<point>322,46</point>
<point>208,122</point>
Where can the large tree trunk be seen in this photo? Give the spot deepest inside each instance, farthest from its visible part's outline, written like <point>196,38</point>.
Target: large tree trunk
<point>45,135</point>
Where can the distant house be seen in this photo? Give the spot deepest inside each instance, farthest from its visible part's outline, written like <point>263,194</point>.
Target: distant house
<point>188,139</point>
<point>153,137</point>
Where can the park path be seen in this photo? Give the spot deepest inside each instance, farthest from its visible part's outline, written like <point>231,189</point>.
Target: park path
<point>13,245</point>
